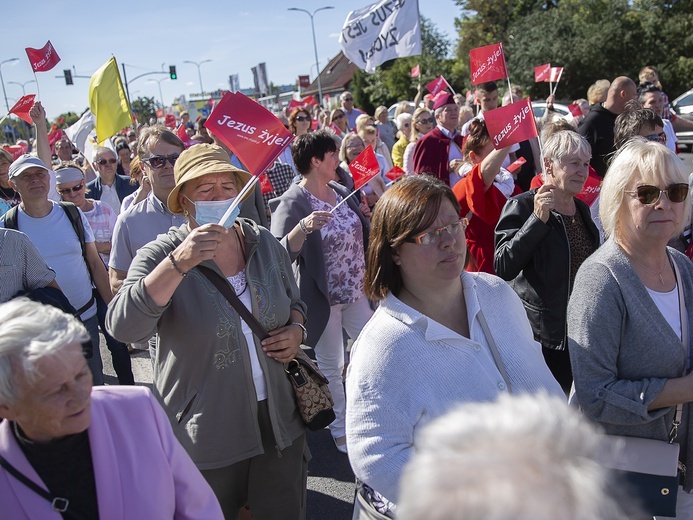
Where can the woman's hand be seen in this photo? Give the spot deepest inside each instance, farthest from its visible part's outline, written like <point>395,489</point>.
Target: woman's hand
<point>456,164</point>
<point>38,113</point>
<point>364,207</point>
<point>200,245</point>
<point>283,343</point>
<point>316,220</point>
<point>544,202</point>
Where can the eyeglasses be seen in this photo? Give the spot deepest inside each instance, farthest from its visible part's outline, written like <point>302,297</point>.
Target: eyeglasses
<point>348,99</point>
<point>424,121</point>
<point>340,116</point>
<point>74,189</point>
<point>101,162</point>
<point>406,125</point>
<point>433,237</point>
<point>650,195</point>
<point>660,137</point>
<point>159,161</point>
<point>303,118</point>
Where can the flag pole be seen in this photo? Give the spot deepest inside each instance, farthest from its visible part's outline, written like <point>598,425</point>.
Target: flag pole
<point>557,80</point>
<point>246,189</point>
<point>448,84</point>
<point>38,87</point>
<point>344,200</point>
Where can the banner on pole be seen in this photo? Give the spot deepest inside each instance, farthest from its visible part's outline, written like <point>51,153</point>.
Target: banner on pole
<point>542,73</point>
<point>487,63</point>
<point>21,108</point>
<point>364,168</point>
<point>107,101</point>
<point>511,124</point>
<point>304,81</point>
<point>43,59</point>
<point>437,85</point>
<point>380,32</point>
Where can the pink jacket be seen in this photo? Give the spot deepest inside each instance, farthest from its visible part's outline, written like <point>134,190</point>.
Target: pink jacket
<point>141,470</point>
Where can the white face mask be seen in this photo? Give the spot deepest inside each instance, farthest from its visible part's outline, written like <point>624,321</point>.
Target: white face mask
<point>211,211</point>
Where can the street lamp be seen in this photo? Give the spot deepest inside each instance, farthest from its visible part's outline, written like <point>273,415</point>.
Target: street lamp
<point>315,45</point>
<point>21,85</point>
<point>199,74</point>
<point>161,96</point>
<point>3,81</point>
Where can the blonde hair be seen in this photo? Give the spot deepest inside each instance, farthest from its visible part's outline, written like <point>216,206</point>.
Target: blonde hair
<point>638,162</point>
<point>415,133</point>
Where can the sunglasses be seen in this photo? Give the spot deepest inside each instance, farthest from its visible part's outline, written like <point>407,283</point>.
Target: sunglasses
<point>660,137</point>
<point>303,119</point>
<point>424,121</point>
<point>348,99</point>
<point>433,237</point>
<point>159,161</point>
<point>340,116</point>
<point>74,189</point>
<point>649,195</point>
<point>101,162</point>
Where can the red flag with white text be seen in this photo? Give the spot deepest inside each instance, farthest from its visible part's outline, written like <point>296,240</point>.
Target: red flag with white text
<point>183,136</point>
<point>511,124</point>
<point>265,184</point>
<point>516,165</point>
<point>252,132</point>
<point>395,173</point>
<point>416,71</point>
<point>21,108</point>
<point>43,59</point>
<point>591,189</point>
<point>364,168</point>
<point>54,135</point>
<point>437,85</point>
<point>487,63</point>
<point>542,73</point>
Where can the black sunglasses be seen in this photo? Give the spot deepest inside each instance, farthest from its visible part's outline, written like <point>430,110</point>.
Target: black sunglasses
<point>424,121</point>
<point>348,99</point>
<point>340,116</point>
<point>159,161</point>
<point>649,195</point>
<point>302,118</point>
<point>74,189</point>
<point>660,137</point>
<point>101,162</point>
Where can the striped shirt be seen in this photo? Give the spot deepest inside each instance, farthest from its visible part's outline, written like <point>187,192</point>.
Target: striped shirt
<point>21,265</point>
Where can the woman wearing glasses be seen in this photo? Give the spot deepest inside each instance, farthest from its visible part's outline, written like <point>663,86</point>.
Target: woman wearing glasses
<point>542,238</point>
<point>441,336</point>
<point>423,122</point>
<point>630,312</point>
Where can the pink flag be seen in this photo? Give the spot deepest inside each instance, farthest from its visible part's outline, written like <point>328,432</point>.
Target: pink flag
<point>437,85</point>
<point>252,132</point>
<point>556,73</point>
<point>21,108</point>
<point>487,63</point>
<point>416,71</point>
<point>364,168</point>
<point>511,124</point>
<point>576,110</point>
<point>43,59</point>
<point>542,73</point>
<point>395,173</point>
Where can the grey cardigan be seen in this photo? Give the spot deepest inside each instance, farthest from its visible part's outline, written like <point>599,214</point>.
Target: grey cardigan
<point>623,351</point>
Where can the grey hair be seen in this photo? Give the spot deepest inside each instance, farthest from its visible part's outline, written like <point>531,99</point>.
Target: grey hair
<point>101,150</point>
<point>401,119</point>
<point>639,162</point>
<point>563,143</point>
<point>522,457</point>
<point>30,331</point>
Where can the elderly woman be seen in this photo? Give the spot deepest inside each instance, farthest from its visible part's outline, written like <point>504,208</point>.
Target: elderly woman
<point>386,130</point>
<point>629,314</point>
<point>71,185</point>
<point>423,122</point>
<point>403,123</point>
<point>328,264</point>
<point>224,391</point>
<point>542,238</point>
<point>352,146</point>
<point>64,440</point>
<point>440,337</point>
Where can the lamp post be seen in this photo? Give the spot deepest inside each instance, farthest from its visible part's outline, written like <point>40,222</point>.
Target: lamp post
<point>199,74</point>
<point>158,81</point>
<point>315,45</point>
<point>21,85</point>
<point>3,81</point>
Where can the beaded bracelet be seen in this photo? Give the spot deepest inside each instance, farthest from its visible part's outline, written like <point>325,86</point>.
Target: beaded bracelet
<point>175,265</point>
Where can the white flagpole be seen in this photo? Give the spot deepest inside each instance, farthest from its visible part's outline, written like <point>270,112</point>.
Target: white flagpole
<point>246,189</point>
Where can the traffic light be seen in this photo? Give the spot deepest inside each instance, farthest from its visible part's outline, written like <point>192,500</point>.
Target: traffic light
<point>68,77</point>
<point>172,71</point>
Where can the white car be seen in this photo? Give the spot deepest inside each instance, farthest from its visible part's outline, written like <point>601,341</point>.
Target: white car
<point>682,106</point>
<point>391,110</point>
<point>539,107</point>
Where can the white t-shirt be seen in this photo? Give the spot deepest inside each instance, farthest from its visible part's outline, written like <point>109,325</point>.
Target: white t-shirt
<point>668,305</point>
<point>671,135</point>
<point>56,240</point>
<point>110,197</point>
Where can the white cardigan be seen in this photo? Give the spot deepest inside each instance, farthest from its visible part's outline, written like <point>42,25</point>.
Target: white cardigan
<point>407,369</point>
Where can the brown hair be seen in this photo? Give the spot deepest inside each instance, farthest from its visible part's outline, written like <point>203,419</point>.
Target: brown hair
<point>477,139</point>
<point>135,170</point>
<point>294,115</point>
<point>156,133</point>
<point>409,207</point>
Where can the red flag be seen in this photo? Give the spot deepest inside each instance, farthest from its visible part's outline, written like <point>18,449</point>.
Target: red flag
<point>395,173</point>
<point>170,120</point>
<point>511,124</point>
<point>364,168</point>
<point>556,73</point>
<point>265,184</point>
<point>437,85</point>
<point>159,113</point>
<point>591,189</point>
<point>576,110</point>
<point>487,63</point>
<point>252,132</point>
<point>515,166</point>
<point>210,102</point>
<point>416,71</point>
<point>54,135</point>
<point>304,81</point>
<point>183,136</point>
<point>21,108</point>
<point>16,150</point>
<point>542,73</point>
<point>44,59</point>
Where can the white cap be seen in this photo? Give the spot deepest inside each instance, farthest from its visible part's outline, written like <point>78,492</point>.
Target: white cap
<point>25,162</point>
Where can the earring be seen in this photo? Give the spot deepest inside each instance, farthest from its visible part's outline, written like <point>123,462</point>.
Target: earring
<point>186,213</point>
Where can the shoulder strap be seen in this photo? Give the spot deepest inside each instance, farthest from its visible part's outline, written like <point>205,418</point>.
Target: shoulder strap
<point>683,316</point>
<point>494,350</point>
<point>76,220</point>
<point>11,218</point>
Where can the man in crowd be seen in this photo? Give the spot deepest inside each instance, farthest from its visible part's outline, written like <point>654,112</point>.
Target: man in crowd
<point>108,186</point>
<point>487,95</point>
<point>598,125</point>
<point>63,149</point>
<point>435,150</point>
<point>350,111</point>
<point>22,268</point>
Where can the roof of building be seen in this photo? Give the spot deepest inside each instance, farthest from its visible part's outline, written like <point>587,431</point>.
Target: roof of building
<point>334,78</point>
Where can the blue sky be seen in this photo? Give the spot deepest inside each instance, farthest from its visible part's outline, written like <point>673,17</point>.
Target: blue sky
<point>148,33</point>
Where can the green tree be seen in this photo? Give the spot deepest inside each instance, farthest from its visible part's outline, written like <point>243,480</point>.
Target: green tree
<point>66,119</point>
<point>145,108</point>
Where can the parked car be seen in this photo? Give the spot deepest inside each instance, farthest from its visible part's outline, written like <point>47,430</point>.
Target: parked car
<point>682,106</point>
<point>391,110</point>
<point>539,107</point>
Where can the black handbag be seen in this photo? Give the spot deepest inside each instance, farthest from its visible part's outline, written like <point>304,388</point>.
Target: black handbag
<point>313,397</point>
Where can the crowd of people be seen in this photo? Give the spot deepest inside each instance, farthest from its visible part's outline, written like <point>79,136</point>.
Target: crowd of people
<point>463,282</point>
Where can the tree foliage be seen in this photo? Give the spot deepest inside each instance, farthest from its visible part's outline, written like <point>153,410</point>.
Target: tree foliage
<point>66,119</point>
<point>145,108</point>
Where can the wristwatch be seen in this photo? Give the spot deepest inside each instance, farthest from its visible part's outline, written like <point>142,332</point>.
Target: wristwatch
<point>305,332</point>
